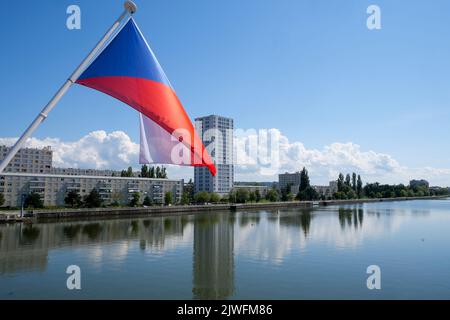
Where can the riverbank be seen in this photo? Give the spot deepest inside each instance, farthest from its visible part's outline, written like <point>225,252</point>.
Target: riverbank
<point>191,209</point>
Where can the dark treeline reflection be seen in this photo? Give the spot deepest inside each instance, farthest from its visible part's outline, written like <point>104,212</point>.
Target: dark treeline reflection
<point>26,246</point>
<point>295,219</point>
<point>351,217</point>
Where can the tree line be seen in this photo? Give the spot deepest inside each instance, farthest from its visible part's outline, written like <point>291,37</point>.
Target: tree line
<point>146,172</point>
<point>349,186</point>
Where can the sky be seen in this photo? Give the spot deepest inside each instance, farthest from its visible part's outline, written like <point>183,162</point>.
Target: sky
<point>341,96</point>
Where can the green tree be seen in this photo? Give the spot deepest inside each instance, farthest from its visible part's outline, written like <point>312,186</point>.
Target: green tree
<point>305,191</point>
<point>419,185</point>
<point>286,194</point>
<point>129,172</point>
<point>163,173</point>
<point>144,171</point>
<point>202,197</point>
<point>168,198</point>
<point>340,195</point>
<point>340,182</point>
<point>272,195</point>
<point>93,199</point>
<point>135,199</point>
<point>308,194</point>
<point>257,196</point>
<point>354,181</point>
<point>214,198</point>
<point>242,195</point>
<point>2,199</point>
<point>290,197</point>
<point>152,173</point>
<point>304,180</point>
<point>232,197</point>
<point>351,194</point>
<point>187,196</point>
<point>347,180</point>
<point>33,200</point>
<point>252,196</point>
<point>158,172</point>
<point>73,199</point>
<point>147,201</point>
<point>359,187</point>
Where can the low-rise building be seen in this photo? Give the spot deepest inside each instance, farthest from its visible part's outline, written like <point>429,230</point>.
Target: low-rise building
<point>54,188</point>
<point>252,188</point>
<point>293,181</point>
<point>289,179</point>
<point>31,171</point>
<point>327,191</point>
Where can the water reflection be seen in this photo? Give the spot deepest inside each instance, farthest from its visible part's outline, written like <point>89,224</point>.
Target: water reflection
<point>26,247</point>
<point>301,219</point>
<point>71,231</point>
<point>215,240</point>
<point>351,217</point>
<point>30,234</point>
<point>213,269</point>
<point>92,230</point>
<point>269,236</point>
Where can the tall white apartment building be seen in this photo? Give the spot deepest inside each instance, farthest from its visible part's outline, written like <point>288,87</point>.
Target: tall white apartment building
<point>218,131</point>
<point>31,171</point>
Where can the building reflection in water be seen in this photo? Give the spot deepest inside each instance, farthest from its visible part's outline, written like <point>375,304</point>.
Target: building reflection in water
<point>266,235</point>
<point>213,261</point>
<point>25,247</point>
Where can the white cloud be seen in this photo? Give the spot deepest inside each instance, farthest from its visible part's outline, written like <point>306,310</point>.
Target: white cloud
<point>98,149</point>
<point>116,150</point>
<point>325,164</point>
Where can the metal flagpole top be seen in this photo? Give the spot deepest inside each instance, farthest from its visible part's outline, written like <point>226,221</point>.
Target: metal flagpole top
<point>130,6</point>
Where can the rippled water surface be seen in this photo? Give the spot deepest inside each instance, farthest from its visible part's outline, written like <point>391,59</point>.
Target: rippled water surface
<point>286,254</point>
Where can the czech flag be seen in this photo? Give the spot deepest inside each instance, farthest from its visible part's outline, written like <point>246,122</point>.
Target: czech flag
<point>128,70</point>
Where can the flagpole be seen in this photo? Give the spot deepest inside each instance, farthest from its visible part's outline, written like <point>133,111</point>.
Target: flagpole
<point>130,8</point>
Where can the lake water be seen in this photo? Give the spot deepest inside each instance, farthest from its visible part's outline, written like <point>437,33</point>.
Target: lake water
<point>286,254</point>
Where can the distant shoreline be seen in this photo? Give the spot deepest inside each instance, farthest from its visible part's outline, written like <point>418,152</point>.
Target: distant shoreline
<point>191,209</point>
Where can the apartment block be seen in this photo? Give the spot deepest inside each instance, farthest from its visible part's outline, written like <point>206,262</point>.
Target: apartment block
<point>218,131</point>
<point>31,171</point>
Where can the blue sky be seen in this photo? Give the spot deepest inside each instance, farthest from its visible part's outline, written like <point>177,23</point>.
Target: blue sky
<point>311,69</point>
